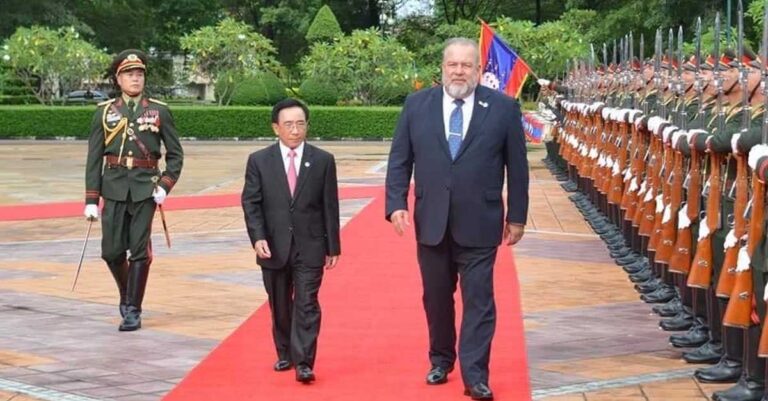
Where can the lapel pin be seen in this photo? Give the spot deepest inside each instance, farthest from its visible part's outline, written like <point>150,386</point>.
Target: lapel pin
<point>306,164</point>
<point>481,103</point>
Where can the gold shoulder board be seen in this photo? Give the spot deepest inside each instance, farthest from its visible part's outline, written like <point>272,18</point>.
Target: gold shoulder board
<point>158,102</point>
<point>106,102</point>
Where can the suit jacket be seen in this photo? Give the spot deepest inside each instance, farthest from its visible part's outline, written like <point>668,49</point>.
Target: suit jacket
<point>462,194</point>
<point>310,219</point>
<point>153,124</point>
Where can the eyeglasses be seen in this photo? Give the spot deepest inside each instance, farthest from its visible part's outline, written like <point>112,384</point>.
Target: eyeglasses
<point>290,125</point>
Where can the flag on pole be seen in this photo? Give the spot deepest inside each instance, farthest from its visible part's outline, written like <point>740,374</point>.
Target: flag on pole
<point>501,67</point>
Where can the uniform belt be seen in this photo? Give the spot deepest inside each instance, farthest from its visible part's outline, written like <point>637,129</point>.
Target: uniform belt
<point>130,162</point>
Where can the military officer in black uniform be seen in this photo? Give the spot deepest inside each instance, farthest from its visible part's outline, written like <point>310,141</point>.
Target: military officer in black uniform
<point>124,150</point>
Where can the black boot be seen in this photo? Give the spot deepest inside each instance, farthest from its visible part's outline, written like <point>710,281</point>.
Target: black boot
<point>746,389</point>
<point>642,276</point>
<point>138,272</point>
<point>668,309</point>
<point>663,294</point>
<point>711,352</point>
<point>726,371</point>
<point>119,270</point>
<point>681,321</point>
<point>696,336</point>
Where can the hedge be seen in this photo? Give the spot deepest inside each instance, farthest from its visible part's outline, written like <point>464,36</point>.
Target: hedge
<point>205,122</point>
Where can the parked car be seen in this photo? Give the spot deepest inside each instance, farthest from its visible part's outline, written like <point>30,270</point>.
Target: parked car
<point>85,97</point>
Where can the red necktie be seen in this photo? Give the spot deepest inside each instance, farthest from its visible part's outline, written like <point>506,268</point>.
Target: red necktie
<point>292,171</point>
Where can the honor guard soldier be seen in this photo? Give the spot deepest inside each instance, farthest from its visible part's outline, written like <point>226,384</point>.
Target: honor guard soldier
<point>124,150</point>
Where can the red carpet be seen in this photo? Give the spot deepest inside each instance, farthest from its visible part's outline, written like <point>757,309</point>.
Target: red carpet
<point>373,340</point>
<point>71,209</point>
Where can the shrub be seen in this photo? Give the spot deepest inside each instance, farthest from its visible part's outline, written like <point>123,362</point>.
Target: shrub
<point>324,27</point>
<point>205,122</point>
<point>318,92</point>
<point>262,89</point>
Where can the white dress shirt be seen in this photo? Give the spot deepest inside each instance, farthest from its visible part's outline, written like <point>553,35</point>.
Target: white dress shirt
<point>297,160</point>
<point>466,112</point>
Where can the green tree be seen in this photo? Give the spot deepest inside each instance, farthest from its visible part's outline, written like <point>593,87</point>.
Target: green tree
<point>368,68</point>
<point>228,51</point>
<point>51,61</point>
<point>324,27</point>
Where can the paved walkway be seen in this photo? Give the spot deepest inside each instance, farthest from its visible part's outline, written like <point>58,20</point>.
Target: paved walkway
<point>588,335</point>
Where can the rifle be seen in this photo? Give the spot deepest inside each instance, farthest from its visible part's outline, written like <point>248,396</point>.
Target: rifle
<point>681,258</point>
<point>700,275</point>
<point>739,310</point>
<point>756,233</point>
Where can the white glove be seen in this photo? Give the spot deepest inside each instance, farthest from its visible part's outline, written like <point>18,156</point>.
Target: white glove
<point>703,229</point>
<point>633,185</point>
<point>730,240</point>
<point>683,221</point>
<point>676,137</point>
<point>91,212</point>
<point>742,264</point>
<point>765,293</point>
<point>756,153</point>
<point>659,203</point>
<point>667,215</point>
<point>159,194</point>
<point>616,168</point>
<point>543,82</point>
<point>648,195</point>
<point>735,143</point>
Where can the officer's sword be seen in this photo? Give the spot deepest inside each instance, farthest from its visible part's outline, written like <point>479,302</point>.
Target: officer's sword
<point>162,218</point>
<point>82,253</point>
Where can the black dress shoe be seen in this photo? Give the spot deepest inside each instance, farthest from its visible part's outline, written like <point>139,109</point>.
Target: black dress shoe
<point>744,390</point>
<point>304,374</point>
<point>660,296</point>
<point>131,320</point>
<point>725,371</point>
<point>635,267</point>
<point>627,259</point>
<point>668,309</point>
<point>681,321</point>
<point>282,365</point>
<point>479,391</point>
<point>649,286</point>
<point>696,336</point>
<point>642,276</point>
<point>438,375</point>
<point>710,352</point>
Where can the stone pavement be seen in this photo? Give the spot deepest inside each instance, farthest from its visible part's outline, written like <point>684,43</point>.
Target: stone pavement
<point>588,335</point>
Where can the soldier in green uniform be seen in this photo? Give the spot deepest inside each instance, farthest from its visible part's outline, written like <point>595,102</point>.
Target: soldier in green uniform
<point>124,150</point>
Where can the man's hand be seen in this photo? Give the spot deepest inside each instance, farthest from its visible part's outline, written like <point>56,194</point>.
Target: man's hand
<point>91,212</point>
<point>543,82</point>
<point>400,221</point>
<point>513,233</point>
<point>262,249</point>
<point>159,195</point>
<point>330,261</point>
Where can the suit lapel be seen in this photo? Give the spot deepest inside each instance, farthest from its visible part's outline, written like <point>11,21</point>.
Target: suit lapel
<point>436,109</point>
<point>479,112</point>
<point>279,168</point>
<point>307,159</point>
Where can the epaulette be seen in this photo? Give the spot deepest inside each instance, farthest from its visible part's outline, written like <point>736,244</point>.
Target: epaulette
<point>106,102</point>
<point>158,102</point>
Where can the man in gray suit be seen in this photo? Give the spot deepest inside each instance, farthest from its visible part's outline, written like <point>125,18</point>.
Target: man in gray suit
<point>458,140</point>
<point>291,205</point>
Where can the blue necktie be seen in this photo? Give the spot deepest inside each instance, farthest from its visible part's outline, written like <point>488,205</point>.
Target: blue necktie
<point>455,127</point>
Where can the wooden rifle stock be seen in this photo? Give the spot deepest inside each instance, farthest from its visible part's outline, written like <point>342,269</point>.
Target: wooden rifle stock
<point>666,243</point>
<point>663,188</point>
<point>740,311</point>
<point>727,278</point>
<point>616,181</point>
<point>700,274</point>
<point>682,255</point>
<point>647,211</point>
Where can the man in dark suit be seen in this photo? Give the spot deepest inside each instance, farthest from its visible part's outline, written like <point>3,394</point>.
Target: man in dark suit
<point>460,138</point>
<point>291,206</point>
